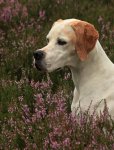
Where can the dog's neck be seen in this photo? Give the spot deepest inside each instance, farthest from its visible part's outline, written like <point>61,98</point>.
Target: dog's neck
<point>93,68</point>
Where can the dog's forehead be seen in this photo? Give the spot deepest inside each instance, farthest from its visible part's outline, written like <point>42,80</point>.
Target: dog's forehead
<point>62,27</point>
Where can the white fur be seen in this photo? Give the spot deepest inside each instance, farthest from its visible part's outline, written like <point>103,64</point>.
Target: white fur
<point>94,81</point>
<point>93,78</point>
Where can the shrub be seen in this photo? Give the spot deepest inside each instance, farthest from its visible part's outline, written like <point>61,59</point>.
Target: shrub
<point>41,119</point>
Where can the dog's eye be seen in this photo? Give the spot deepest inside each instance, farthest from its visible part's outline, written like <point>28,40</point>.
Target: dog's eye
<point>61,42</point>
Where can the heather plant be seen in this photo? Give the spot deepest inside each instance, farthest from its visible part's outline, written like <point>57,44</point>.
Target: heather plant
<point>45,122</point>
<point>11,9</point>
<point>107,36</point>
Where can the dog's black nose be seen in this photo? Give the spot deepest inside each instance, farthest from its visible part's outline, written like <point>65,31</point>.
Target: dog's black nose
<point>38,54</point>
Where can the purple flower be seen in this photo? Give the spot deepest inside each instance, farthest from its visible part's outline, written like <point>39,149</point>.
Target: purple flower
<point>24,12</point>
<point>55,145</point>
<point>42,14</point>
<point>1,1</point>
<point>6,14</point>
<point>66,142</point>
<point>25,109</point>
<point>12,1</point>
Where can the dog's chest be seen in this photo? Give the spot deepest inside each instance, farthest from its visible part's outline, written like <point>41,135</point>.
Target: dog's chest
<point>95,94</point>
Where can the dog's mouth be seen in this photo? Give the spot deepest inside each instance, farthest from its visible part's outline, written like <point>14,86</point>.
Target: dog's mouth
<point>40,66</point>
<point>43,67</point>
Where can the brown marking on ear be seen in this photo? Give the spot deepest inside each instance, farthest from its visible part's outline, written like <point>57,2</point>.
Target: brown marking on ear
<point>86,37</point>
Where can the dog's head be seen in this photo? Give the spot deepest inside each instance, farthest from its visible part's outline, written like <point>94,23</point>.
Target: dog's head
<point>69,41</point>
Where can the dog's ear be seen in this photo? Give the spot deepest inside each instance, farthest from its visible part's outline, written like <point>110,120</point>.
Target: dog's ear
<point>86,37</point>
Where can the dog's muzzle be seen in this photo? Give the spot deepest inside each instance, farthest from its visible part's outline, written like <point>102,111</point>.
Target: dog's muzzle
<point>39,60</point>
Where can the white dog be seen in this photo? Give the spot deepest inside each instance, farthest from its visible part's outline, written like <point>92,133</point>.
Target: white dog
<point>74,43</point>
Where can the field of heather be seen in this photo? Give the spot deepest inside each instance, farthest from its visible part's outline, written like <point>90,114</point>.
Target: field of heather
<point>35,111</point>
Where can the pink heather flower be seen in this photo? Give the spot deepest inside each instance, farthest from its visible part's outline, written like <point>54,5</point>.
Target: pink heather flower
<point>12,1</point>
<point>36,85</point>
<point>46,143</point>
<point>10,109</point>
<point>20,98</point>
<point>66,142</point>
<point>30,129</point>
<point>40,114</point>
<point>18,6</point>
<point>78,143</point>
<point>24,12</point>
<point>39,27</point>
<point>25,109</point>
<point>39,99</point>
<point>34,146</point>
<point>1,1</point>
<point>26,120</point>
<point>57,131</point>
<point>11,122</point>
<point>32,83</point>
<point>42,14</point>
<point>55,145</point>
<point>34,118</point>
<point>6,14</point>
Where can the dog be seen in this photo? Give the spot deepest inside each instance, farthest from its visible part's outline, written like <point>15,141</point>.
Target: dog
<point>74,43</point>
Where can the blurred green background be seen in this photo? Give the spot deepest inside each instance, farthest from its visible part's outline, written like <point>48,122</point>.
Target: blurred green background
<point>24,32</point>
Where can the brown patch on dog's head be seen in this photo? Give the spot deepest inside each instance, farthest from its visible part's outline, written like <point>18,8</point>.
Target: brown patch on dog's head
<point>86,37</point>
